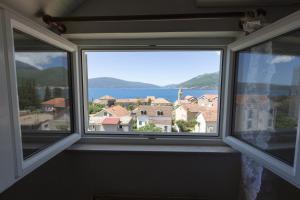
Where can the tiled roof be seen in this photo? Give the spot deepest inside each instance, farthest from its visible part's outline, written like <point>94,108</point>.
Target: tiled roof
<point>56,102</point>
<point>210,116</point>
<point>194,108</point>
<point>111,121</point>
<point>161,101</point>
<point>160,121</point>
<point>152,110</point>
<point>106,97</point>
<point>129,100</point>
<point>117,111</point>
<point>209,97</point>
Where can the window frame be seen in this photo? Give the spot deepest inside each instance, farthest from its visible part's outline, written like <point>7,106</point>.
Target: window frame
<point>13,21</point>
<point>161,138</point>
<point>278,28</point>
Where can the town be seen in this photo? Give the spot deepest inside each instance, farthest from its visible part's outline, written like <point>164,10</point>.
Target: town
<point>154,114</point>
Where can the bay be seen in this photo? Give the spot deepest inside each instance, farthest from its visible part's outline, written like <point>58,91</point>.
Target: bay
<point>169,94</point>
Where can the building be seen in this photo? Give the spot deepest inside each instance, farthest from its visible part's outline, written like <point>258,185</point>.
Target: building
<point>130,102</point>
<point>105,100</point>
<point>161,102</point>
<point>191,99</point>
<point>160,116</point>
<point>256,113</point>
<point>114,118</point>
<point>208,100</point>
<point>206,122</point>
<point>188,111</point>
<point>55,104</point>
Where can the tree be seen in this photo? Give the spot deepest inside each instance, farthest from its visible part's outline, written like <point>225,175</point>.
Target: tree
<point>186,126</point>
<point>130,107</point>
<point>94,108</point>
<point>57,92</point>
<point>149,128</point>
<point>149,101</point>
<point>139,102</point>
<point>284,121</point>
<point>47,94</point>
<point>28,96</point>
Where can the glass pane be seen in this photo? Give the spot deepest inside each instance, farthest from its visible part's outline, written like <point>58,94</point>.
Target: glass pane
<point>157,92</point>
<point>268,96</point>
<point>43,80</point>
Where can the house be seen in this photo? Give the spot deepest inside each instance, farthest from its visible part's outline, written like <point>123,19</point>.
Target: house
<point>56,104</point>
<point>105,100</point>
<point>191,99</point>
<point>206,122</point>
<point>188,111</point>
<point>256,113</point>
<point>130,102</point>
<point>161,102</point>
<point>114,118</point>
<point>160,116</point>
<point>209,100</point>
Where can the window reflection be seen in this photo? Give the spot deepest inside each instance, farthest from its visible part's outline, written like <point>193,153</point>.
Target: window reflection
<point>268,96</point>
<point>43,82</point>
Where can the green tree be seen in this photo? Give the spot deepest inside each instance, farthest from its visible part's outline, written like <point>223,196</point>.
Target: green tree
<point>94,108</point>
<point>149,128</point>
<point>186,126</point>
<point>130,107</point>
<point>47,94</point>
<point>57,92</point>
<point>28,96</point>
<point>284,121</point>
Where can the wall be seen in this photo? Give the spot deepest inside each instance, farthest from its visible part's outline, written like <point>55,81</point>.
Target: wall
<point>80,175</point>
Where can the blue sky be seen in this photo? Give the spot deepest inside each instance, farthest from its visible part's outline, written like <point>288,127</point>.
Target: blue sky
<point>269,68</point>
<point>156,67</point>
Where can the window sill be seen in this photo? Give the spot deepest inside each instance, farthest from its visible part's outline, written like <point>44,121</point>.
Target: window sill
<point>150,145</point>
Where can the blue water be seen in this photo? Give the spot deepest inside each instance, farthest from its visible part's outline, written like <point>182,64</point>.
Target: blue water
<point>169,94</point>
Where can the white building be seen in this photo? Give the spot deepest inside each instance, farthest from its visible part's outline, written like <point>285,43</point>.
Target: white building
<point>160,116</point>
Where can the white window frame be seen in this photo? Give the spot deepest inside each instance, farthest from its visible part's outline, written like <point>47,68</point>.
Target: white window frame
<point>280,27</point>
<point>166,137</point>
<point>21,167</point>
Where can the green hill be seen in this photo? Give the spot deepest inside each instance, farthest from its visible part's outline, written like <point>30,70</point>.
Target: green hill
<point>54,76</point>
<point>108,82</point>
<point>203,81</point>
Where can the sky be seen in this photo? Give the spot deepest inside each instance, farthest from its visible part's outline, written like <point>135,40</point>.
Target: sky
<point>43,60</point>
<point>155,67</point>
<point>269,68</point>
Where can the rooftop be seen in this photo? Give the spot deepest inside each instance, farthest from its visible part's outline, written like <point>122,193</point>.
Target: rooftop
<point>56,102</point>
<point>111,121</point>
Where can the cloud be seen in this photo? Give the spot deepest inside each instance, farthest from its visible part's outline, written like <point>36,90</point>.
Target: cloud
<point>282,59</point>
<point>39,59</point>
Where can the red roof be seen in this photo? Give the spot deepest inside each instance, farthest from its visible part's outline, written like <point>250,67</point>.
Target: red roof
<point>111,121</point>
<point>56,102</point>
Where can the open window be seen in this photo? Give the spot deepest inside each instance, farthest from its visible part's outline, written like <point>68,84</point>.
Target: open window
<point>43,101</point>
<point>262,106</point>
<point>166,91</point>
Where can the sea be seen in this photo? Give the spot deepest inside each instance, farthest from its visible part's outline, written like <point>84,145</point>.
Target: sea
<point>169,94</point>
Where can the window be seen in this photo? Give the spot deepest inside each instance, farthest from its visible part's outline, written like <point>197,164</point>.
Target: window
<point>44,96</point>
<point>160,113</point>
<point>268,79</point>
<point>143,112</point>
<point>165,89</point>
<point>250,114</point>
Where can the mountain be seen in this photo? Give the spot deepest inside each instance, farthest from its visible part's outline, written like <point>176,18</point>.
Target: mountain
<point>204,81</point>
<point>54,76</point>
<point>107,82</point>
